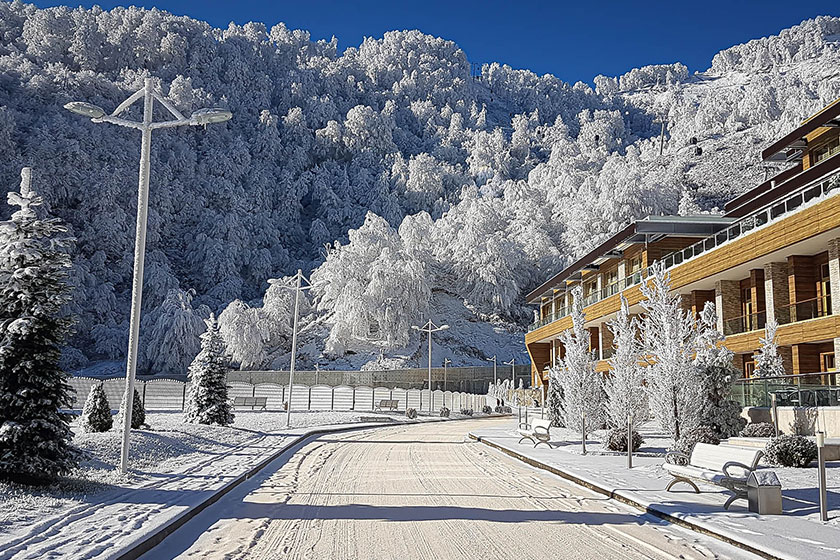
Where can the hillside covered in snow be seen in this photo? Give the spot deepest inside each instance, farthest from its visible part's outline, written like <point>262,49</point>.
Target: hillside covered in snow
<point>402,183</point>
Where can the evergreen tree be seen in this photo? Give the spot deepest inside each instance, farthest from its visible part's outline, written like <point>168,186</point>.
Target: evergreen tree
<point>35,437</point>
<point>582,401</point>
<point>768,362</point>
<point>138,413</point>
<point>207,402</point>
<point>96,415</point>
<point>624,386</point>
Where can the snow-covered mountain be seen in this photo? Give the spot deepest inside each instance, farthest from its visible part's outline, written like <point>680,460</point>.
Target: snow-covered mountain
<point>406,185</point>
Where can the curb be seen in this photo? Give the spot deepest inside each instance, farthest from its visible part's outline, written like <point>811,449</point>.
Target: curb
<point>623,498</point>
<point>158,535</point>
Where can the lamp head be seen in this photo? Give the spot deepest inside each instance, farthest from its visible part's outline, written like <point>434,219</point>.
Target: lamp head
<point>443,327</point>
<point>85,109</point>
<point>211,116</point>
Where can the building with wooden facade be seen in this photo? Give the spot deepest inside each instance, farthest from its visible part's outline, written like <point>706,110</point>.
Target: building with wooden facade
<point>774,252</point>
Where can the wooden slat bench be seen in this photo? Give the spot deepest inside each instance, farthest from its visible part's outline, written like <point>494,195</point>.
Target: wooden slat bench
<point>390,404</point>
<point>538,432</point>
<point>255,403</point>
<point>722,465</point>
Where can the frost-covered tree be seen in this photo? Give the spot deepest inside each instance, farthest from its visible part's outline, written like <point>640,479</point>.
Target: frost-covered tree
<point>624,386</point>
<point>554,397</point>
<point>714,365</point>
<point>35,437</point>
<point>675,388</point>
<point>207,401</point>
<point>172,332</point>
<point>768,362</point>
<point>96,414</point>
<point>138,413</point>
<point>582,401</point>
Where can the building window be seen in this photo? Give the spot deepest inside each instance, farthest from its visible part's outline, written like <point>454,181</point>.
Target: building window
<point>749,367</point>
<point>747,310</point>
<point>826,150</point>
<point>824,291</point>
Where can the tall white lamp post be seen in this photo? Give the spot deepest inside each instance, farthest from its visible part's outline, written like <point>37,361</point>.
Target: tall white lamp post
<point>430,327</point>
<point>495,377</point>
<point>299,278</point>
<point>202,117</point>
<point>446,361</point>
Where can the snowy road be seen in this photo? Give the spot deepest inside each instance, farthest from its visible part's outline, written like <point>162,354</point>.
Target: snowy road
<point>422,491</point>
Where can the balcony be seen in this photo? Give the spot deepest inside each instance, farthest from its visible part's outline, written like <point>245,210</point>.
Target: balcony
<point>803,310</point>
<point>824,187</point>
<point>745,323</point>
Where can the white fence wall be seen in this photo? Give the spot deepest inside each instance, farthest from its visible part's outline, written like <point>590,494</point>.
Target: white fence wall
<point>170,394</point>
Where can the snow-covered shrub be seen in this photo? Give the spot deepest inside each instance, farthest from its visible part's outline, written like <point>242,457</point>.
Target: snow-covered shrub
<point>499,409</point>
<point>617,440</point>
<point>699,434</point>
<point>790,451</point>
<point>486,409</point>
<point>35,436</point>
<point>759,429</point>
<point>467,411</point>
<point>207,401</point>
<point>411,413</point>
<point>444,412</point>
<point>138,413</point>
<point>96,415</point>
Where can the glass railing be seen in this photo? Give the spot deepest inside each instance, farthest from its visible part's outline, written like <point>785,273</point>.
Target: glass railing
<point>813,389</point>
<point>803,310</point>
<point>744,323</point>
<point>822,188</point>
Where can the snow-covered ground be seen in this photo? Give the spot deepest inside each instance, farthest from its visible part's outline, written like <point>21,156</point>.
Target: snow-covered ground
<point>797,533</point>
<point>173,466</point>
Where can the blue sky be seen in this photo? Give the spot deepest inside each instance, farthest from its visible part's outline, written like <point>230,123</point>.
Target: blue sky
<point>574,40</point>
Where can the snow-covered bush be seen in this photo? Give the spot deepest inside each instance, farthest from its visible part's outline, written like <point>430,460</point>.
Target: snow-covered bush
<point>698,434</point>
<point>790,451</point>
<point>35,437</point>
<point>444,412</point>
<point>486,409</point>
<point>207,400</point>
<point>759,429</point>
<point>411,413</point>
<point>138,413</point>
<point>96,414</point>
<point>617,440</point>
<point>467,411</point>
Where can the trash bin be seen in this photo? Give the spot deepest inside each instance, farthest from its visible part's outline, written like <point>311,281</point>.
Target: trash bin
<point>764,493</point>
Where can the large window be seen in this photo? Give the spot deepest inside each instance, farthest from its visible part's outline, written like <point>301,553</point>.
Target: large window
<point>826,150</point>
<point>824,291</point>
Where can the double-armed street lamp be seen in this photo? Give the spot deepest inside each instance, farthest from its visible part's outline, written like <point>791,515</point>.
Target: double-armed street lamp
<point>430,327</point>
<point>202,117</point>
<point>299,278</point>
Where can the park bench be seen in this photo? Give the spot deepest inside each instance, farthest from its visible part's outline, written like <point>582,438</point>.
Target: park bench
<point>722,465</point>
<point>537,432</point>
<point>255,403</point>
<point>390,404</point>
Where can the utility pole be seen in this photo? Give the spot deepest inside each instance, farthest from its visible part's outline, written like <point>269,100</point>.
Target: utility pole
<point>429,328</point>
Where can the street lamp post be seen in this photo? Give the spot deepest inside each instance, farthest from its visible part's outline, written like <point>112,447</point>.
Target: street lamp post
<point>201,117</point>
<point>495,377</point>
<point>430,327</point>
<point>298,288</point>
<point>445,362</point>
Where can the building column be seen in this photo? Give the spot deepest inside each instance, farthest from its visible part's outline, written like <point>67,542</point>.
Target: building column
<point>727,302</point>
<point>776,291</point>
<point>622,273</point>
<point>834,275</point>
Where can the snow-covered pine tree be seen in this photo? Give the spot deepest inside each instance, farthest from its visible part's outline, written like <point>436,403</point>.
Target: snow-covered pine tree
<point>35,437</point>
<point>138,413</point>
<point>207,402</point>
<point>581,385</point>
<point>626,396</point>
<point>674,386</point>
<point>768,362</point>
<point>96,415</point>
<point>714,364</point>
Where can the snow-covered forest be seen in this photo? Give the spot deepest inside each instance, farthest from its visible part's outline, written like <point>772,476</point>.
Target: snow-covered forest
<point>403,182</point>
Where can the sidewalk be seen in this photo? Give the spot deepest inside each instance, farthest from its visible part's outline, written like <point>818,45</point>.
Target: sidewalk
<point>789,536</point>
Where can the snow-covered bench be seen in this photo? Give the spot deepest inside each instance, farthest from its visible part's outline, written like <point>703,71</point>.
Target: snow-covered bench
<point>537,432</point>
<point>387,403</point>
<point>255,403</point>
<point>721,465</point>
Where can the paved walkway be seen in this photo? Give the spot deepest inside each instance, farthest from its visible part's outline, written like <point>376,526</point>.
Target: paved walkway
<point>423,491</point>
<point>790,536</point>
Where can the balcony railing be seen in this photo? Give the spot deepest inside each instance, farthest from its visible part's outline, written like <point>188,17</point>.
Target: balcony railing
<point>745,323</point>
<point>824,187</point>
<point>812,389</point>
<point>803,310</point>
